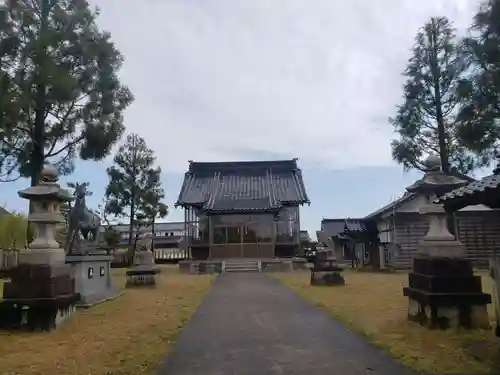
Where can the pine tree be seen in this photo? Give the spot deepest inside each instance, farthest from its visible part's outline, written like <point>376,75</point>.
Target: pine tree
<point>134,190</point>
<point>479,90</point>
<point>152,206</point>
<point>426,121</point>
<point>61,96</point>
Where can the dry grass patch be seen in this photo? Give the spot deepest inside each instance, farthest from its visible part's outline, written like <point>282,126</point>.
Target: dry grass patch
<point>373,304</point>
<point>125,336</point>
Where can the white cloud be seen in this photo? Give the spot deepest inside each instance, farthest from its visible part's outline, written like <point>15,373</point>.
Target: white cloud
<point>218,79</point>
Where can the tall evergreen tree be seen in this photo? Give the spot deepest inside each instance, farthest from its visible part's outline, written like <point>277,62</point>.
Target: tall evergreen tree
<point>134,187</point>
<point>61,96</point>
<point>479,91</point>
<point>426,121</point>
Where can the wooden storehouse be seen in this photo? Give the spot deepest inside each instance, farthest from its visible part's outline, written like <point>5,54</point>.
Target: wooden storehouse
<point>242,209</point>
<point>400,229</point>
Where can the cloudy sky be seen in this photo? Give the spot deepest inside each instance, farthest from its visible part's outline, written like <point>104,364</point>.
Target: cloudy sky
<point>219,80</point>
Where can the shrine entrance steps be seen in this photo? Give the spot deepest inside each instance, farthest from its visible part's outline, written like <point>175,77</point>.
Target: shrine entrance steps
<point>241,265</point>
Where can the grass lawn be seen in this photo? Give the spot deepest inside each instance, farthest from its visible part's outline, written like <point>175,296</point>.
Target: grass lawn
<point>373,304</point>
<point>126,336</point>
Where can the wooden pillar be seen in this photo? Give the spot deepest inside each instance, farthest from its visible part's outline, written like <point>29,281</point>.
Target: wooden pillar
<point>187,241</point>
<point>273,235</point>
<point>210,236</point>
<point>297,232</point>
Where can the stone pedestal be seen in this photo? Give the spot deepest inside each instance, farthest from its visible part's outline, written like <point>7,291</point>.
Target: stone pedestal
<point>37,297</point>
<point>329,277</point>
<point>444,293</point>
<point>93,281</point>
<point>144,271</point>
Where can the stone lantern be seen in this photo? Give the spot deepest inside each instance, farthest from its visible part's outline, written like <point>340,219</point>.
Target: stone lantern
<point>443,291</point>
<point>40,293</point>
<point>46,199</point>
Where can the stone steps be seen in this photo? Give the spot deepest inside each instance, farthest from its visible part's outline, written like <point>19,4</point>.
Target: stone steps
<point>241,266</point>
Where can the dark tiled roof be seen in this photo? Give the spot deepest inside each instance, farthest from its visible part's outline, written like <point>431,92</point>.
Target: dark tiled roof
<point>476,192</point>
<point>408,196</point>
<point>243,186</point>
<point>304,235</point>
<point>354,225</point>
<point>340,228</point>
<point>332,227</point>
<point>391,206</point>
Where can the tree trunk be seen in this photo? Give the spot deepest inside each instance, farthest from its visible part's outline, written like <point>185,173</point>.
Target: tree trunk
<point>153,233</point>
<point>37,156</point>
<point>441,128</point>
<point>132,244</point>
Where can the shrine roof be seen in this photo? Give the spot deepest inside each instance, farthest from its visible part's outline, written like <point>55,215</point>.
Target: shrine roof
<point>243,186</point>
<point>341,228</point>
<point>476,192</point>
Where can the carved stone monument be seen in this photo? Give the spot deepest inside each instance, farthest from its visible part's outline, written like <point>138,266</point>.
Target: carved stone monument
<point>90,263</point>
<point>144,270</point>
<point>443,291</point>
<point>40,292</point>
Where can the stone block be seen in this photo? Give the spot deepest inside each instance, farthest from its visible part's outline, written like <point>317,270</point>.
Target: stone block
<point>37,297</point>
<point>327,278</point>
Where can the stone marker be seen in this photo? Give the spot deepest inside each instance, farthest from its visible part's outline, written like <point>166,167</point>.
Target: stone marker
<point>144,270</point>
<point>40,292</point>
<point>443,291</point>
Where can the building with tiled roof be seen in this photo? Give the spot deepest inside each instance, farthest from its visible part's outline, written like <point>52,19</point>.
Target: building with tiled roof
<point>244,209</point>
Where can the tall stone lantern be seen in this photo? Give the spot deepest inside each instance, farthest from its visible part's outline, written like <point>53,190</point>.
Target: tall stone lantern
<point>40,291</point>
<point>443,291</point>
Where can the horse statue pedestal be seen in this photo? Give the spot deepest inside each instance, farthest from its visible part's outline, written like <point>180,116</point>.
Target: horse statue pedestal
<point>93,282</point>
<point>90,266</point>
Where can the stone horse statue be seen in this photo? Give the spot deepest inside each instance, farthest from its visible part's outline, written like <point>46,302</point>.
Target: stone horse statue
<point>83,224</point>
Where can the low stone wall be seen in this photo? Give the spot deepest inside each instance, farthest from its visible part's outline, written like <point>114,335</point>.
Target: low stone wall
<point>200,267</point>
<point>284,265</point>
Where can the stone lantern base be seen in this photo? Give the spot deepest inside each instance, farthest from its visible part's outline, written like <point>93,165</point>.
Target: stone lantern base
<point>144,270</point>
<point>326,271</point>
<point>37,297</point>
<point>444,293</point>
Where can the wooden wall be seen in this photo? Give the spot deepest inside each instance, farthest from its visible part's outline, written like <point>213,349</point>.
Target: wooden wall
<point>479,231</point>
<point>410,229</point>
